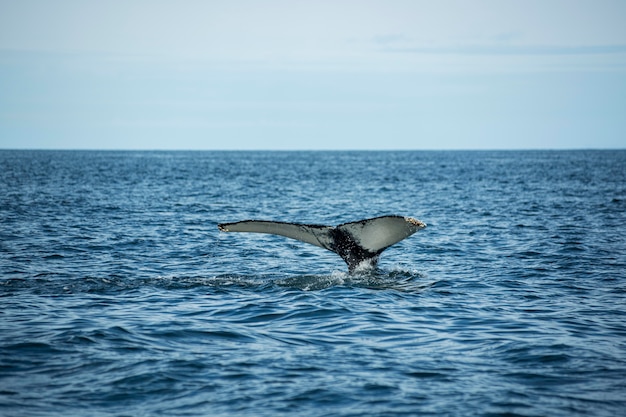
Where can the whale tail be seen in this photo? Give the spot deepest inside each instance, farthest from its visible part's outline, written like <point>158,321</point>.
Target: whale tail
<point>358,243</point>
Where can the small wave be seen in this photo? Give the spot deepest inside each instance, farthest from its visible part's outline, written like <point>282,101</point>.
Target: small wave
<point>313,282</point>
<point>52,284</point>
<point>377,279</point>
<point>54,256</point>
<point>395,279</point>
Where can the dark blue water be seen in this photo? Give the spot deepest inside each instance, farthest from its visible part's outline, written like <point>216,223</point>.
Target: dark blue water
<point>118,295</point>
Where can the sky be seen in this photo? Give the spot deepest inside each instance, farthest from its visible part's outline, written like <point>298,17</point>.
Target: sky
<point>343,74</point>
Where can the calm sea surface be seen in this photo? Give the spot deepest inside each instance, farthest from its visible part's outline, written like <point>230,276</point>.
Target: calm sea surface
<point>120,297</point>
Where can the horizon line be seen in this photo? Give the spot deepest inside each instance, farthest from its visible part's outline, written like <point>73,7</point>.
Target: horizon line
<point>315,150</point>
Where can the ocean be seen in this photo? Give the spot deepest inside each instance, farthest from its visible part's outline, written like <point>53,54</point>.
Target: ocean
<point>119,296</point>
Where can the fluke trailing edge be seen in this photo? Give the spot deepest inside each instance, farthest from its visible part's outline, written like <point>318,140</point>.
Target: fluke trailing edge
<point>358,243</point>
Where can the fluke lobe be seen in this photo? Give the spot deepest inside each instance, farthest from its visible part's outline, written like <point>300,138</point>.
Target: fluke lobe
<point>358,243</point>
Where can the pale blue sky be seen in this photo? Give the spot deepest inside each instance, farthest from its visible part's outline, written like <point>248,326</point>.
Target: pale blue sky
<point>236,74</point>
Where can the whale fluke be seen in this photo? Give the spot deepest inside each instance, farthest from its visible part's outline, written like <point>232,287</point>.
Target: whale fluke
<point>358,243</point>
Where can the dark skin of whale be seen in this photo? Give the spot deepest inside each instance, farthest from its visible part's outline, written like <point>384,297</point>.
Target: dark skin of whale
<point>358,243</point>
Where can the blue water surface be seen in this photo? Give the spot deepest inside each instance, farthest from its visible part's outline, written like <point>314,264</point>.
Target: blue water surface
<point>120,297</point>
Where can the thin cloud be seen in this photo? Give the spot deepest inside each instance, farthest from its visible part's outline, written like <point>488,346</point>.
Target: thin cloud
<point>512,50</point>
